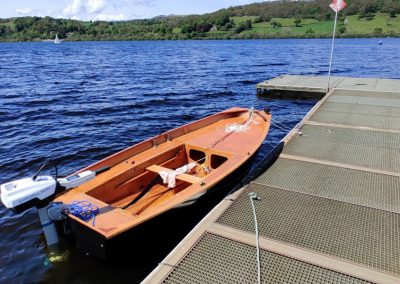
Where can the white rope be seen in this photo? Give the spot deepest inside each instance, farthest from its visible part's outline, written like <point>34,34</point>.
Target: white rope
<point>281,126</point>
<point>253,196</point>
<point>231,128</point>
<point>234,127</point>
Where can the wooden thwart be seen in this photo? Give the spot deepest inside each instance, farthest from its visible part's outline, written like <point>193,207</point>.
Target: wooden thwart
<point>182,177</point>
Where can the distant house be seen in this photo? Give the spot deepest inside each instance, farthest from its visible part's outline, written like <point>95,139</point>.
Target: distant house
<point>213,28</point>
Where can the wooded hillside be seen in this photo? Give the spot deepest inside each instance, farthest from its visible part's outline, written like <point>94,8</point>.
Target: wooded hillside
<point>275,19</point>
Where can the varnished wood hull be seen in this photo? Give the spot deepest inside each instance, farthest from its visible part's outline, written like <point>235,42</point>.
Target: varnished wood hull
<point>131,196</point>
<point>157,236</point>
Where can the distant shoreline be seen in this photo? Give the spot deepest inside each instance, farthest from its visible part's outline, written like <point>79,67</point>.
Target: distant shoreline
<point>202,39</point>
<point>219,26</point>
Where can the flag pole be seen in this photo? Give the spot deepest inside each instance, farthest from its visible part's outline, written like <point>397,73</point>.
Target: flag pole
<point>333,41</point>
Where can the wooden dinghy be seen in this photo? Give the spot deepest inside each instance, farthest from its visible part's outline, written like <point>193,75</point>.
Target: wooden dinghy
<point>132,192</point>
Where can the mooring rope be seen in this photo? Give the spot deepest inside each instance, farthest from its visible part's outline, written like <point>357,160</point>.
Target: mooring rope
<point>84,210</point>
<point>253,196</point>
<point>281,126</point>
<point>232,128</point>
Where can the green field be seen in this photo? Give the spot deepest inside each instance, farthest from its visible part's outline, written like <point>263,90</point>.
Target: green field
<point>381,24</point>
<point>239,20</point>
<point>383,21</point>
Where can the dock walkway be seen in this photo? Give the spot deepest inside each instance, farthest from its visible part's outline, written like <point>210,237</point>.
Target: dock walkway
<point>317,85</point>
<point>329,208</point>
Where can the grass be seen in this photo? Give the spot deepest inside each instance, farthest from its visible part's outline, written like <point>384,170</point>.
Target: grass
<point>382,21</point>
<point>238,20</point>
<point>289,28</point>
<point>355,26</point>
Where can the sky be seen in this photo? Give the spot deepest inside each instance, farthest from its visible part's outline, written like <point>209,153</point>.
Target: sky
<point>112,10</point>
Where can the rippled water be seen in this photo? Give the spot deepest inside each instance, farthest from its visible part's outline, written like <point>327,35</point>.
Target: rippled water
<point>78,102</point>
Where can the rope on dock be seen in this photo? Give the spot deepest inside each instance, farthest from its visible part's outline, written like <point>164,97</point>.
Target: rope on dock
<point>253,196</point>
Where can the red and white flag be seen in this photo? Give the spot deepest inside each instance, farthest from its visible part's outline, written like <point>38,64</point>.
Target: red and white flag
<point>338,5</point>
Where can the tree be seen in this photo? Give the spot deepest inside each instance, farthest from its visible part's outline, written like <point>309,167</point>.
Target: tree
<point>276,24</point>
<point>248,25</point>
<point>297,21</point>
<point>240,28</point>
<point>378,31</point>
<point>222,20</point>
<point>310,31</point>
<point>392,7</point>
<point>368,8</point>
<point>203,27</point>
<point>262,19</point>
<point>257,20</point>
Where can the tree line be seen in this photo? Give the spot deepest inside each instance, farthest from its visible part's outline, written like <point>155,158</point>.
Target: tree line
<point>212,25</point>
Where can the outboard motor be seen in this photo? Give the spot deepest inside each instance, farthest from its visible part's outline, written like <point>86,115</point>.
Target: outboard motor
<point>38,191</point>
<point>22,194</point>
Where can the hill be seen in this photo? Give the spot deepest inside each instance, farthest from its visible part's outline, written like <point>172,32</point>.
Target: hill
<point>277,19</point>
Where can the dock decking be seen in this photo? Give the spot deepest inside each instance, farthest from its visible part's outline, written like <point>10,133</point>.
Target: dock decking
<point>316,86</point>
<point>329,209</point>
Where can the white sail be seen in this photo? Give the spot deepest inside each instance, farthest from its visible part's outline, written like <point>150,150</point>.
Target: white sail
<point>56,40</point>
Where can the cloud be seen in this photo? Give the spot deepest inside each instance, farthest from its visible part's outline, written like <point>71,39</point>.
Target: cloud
<point>108,17</point>
<point>39,12</point>
<point>100,10</point>
<point>148,3</point>
<point>82,7</point>
<point>95,6</point>
<point>23,11</point>
<point>76,7</point>
<point>104,10</point>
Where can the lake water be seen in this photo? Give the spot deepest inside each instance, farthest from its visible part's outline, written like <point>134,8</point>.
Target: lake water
<point>79,102</point>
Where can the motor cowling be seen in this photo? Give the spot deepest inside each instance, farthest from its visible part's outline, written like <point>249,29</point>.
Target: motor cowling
<point>22,194</point>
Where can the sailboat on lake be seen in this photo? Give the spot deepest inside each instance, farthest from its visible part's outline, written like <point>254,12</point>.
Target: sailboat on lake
<point>57,40</point>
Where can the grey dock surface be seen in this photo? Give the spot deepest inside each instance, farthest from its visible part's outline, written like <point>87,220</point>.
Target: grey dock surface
<point>316,86</point>
<point>329,209</point>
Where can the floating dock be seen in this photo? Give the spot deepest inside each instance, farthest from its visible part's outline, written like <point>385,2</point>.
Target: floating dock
<point>317,86</point>
<point>329,208</point>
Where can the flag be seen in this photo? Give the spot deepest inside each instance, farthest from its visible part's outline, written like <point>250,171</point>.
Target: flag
<point>338,5</point>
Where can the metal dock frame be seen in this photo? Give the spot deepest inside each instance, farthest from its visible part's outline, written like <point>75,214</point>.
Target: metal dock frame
<point>329,209</point>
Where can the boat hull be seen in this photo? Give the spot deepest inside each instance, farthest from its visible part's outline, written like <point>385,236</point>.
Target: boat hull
<point>136,204</point>
<point>162,232</point>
